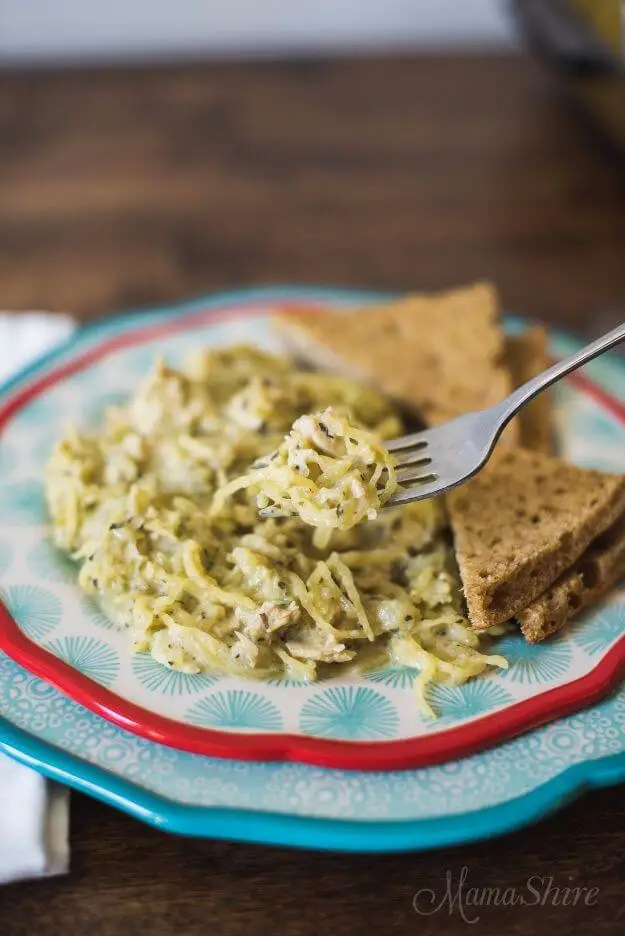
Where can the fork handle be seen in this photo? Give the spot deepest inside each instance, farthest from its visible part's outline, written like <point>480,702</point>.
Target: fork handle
<point>527,391</point>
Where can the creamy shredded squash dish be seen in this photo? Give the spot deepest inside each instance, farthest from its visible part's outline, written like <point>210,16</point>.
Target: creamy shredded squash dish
<point>223,525</point>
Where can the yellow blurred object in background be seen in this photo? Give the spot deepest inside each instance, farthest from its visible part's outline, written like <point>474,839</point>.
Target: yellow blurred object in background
<point>607,18</point>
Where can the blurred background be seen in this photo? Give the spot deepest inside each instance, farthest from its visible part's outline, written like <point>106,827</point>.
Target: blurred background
<point>151,151</point>
<point>45,30</point>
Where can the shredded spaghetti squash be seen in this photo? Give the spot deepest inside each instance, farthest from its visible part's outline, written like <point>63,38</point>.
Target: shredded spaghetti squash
<point>327,471</point>
<point>161,508</point>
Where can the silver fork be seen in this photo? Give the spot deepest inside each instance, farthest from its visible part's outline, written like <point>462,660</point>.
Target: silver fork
<point>440,459</point>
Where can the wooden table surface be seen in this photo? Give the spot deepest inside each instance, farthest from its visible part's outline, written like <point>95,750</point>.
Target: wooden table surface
<point>142,186</point>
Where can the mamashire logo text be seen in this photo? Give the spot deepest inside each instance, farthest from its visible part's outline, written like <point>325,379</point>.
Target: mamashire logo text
<point>458,896</point>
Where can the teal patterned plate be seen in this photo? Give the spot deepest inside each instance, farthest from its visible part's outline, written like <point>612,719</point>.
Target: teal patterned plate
<point>292,803</point>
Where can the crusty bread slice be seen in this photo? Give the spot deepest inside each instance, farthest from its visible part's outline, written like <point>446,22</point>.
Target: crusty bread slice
<point>603,563</point>
<point>439,354</point>
<point>527,355</point>
<point>521,523</point>
<point>600,567</point>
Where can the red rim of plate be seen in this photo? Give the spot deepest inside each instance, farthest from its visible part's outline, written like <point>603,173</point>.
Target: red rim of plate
<point>423,751</point>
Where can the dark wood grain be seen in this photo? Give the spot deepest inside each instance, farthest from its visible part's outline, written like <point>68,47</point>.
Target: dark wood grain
<point>122,188</point>
<point>127,878</point>
<point>145,186</point>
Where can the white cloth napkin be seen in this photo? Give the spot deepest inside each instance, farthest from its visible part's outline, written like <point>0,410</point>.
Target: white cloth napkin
<point>34,812</point>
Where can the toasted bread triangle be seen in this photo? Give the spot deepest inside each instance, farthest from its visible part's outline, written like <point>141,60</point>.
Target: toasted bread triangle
<point>521,523</point>
<point>588,579</point>
<point>439,354</point>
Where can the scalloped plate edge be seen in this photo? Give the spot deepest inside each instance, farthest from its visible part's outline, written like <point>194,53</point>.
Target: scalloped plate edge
<point>305,831</point>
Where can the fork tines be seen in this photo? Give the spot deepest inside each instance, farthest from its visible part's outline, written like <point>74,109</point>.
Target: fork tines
<point>412,459</point>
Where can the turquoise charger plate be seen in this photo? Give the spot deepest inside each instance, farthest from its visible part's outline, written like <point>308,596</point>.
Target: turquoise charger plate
<point>481,795</point>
